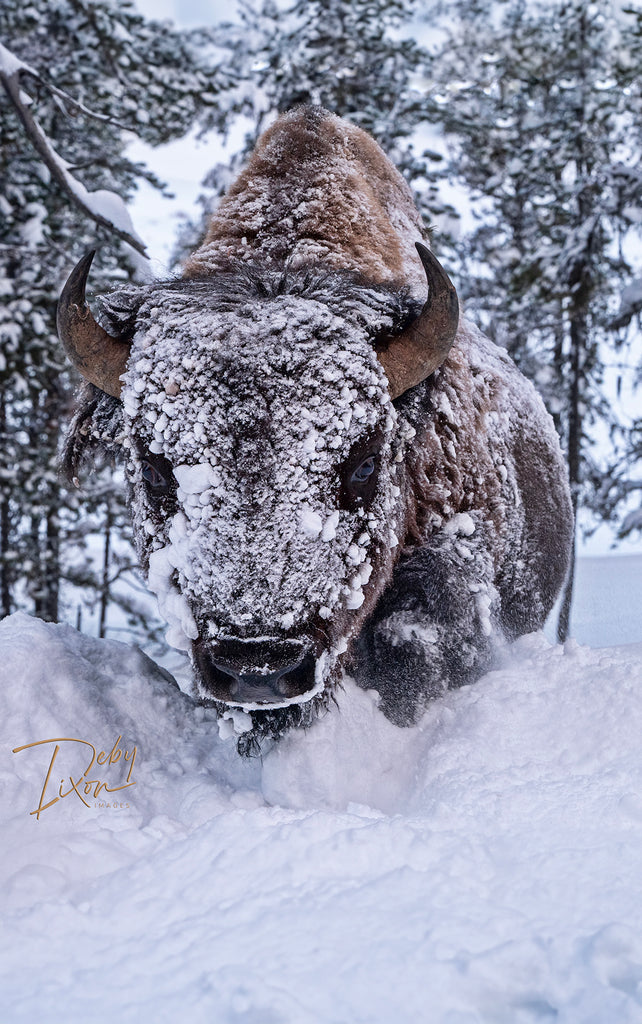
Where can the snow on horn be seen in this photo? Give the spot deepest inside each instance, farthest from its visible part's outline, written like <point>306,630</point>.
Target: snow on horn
<point>330,470</point>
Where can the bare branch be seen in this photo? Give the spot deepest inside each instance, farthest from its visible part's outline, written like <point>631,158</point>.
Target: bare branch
<point>625,316</point>
<point>69,101</point>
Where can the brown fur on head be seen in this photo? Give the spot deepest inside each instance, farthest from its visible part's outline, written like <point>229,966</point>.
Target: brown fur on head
<point>318,189</point>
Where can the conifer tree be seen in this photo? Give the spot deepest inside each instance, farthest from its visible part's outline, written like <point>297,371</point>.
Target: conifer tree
<point>354,57</point>
<point>618,486</point>
<point>340,54</point>
<point>539,124</point>
<point>73,74</point>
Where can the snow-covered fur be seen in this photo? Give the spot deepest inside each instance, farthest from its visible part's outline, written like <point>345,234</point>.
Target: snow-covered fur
<point>254,394</point>
<point>318,191</point>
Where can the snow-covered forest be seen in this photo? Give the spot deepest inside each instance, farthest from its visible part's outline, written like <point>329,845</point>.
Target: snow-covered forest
<point>482,865</point>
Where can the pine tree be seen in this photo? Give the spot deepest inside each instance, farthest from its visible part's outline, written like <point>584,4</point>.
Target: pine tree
<point>618,485</point>
<point>91,66</point>
<point>353,57</point>
<point>539,124</point>
<point>340,54</point>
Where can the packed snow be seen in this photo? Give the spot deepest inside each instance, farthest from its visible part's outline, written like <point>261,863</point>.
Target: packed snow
<point>483,866</point>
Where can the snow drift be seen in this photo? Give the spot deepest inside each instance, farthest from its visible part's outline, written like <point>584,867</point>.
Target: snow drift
<point>482,866</point>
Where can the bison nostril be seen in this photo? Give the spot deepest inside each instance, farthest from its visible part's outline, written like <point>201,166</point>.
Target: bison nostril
<point>243,684</point>
<point>273,680</point>
<point>250,687</point>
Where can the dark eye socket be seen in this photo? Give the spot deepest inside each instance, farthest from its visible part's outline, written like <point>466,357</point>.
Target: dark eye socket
<point>363,471</point>
<point>360,480</point>
<point>158,478</point>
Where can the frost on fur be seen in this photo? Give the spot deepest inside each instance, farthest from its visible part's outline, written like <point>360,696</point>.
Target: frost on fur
<point>293,519</point>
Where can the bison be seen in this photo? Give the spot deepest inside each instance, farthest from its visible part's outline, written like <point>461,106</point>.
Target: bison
<point>328,469</point>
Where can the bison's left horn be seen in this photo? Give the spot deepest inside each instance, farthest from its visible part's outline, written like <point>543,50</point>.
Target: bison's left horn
<point>415,353</point>
<point>100,358</point>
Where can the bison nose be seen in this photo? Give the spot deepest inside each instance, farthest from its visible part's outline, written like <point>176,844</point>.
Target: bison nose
<point>257,687</point>
<point>267,671</point>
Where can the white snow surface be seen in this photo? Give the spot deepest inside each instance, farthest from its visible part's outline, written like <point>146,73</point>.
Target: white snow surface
<point>483,866</point>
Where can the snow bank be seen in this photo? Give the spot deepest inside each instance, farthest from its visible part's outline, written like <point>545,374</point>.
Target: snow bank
<point>482,867</point>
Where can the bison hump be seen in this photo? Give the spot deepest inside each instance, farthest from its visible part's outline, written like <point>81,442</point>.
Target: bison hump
<point>317,189</point>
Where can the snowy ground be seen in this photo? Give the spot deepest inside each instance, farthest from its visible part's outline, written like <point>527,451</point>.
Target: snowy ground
<point>483,867</point>
<point>607,608</point>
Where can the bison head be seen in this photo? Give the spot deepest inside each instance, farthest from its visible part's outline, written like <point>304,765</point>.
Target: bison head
<point>265,455</point>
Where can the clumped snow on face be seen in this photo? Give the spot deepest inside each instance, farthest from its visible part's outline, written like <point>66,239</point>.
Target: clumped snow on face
<point>484,864</point>
<point>259,401</point>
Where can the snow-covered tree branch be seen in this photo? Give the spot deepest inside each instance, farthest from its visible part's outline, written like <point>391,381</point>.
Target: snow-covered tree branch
<point>104,207</point>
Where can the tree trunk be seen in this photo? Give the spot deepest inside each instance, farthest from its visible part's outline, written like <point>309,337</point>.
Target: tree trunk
<point>104,590</point>
<point>5,531</point>
<point>5,540</point>
<point>51,562</point>
<point>579,339</point>
<point>564,619</point>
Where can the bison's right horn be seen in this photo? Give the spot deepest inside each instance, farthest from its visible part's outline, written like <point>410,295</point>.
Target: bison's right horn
<point>415,353</point>
<point>100,358</point>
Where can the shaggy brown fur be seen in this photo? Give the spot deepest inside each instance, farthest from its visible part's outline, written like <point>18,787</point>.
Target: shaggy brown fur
<point>317,188</point>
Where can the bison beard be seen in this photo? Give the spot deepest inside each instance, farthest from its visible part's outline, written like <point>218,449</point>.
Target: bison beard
<point>319,481</point>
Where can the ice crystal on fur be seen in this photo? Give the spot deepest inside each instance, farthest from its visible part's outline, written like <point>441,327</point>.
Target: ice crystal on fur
<point>257,406</point>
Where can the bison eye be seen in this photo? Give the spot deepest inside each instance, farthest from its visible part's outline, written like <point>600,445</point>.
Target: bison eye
<point>363,471</point>
<point>359,480</point>
<point>157,476</point>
